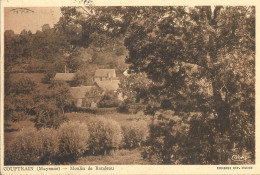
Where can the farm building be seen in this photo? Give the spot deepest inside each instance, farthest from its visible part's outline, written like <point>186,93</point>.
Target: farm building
<point>105,74</point>
<point>79,96</point>
<point>65,76</point>
<point>106,79</point>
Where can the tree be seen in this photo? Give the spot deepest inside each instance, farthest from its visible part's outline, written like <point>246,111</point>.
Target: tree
<point>19,103</point>
<point>60,91</point>
<point>48,115</point>
<point>17,48</point>
<point>108,100</point>
<point>184,51</point>
<point>134,91</point>
<point>207,40</point>
<point>94,95</point>
<point>85,75</point>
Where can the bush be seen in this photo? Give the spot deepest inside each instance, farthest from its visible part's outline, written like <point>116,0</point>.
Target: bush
<point>171,140</point>
<point>17,116</point>
<point>135,134</point>
<point>73,139</point>
<point>49,143</point>
<point>109,100</point>
<point>130,107</point>
<point>105,135</point>
<point>123,108</point>
<point>32,147</point>
<point>48,115</point>
<point>23,86</point>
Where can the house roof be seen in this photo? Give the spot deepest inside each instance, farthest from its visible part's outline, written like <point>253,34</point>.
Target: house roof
<point>64,76</point>
<point>105,72</point>
<point>108,85</point>
<point>80,92</point>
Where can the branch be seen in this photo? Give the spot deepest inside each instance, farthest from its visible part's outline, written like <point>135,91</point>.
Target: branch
<point>87,12</point>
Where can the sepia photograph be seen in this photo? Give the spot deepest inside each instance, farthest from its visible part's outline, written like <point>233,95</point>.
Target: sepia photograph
<point>129,85</point>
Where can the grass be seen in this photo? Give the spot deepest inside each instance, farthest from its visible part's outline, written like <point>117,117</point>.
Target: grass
<point>12,128</point>
<point>120,157</point>
<point>36,77</point>
<point>123,119</point>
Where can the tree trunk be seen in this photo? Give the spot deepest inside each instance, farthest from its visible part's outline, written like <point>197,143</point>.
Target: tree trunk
<point>221,107</point>
<point>62,109</point>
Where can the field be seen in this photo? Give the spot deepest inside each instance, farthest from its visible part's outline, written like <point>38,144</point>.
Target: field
<point>123,119</point>
<point>117,157</point>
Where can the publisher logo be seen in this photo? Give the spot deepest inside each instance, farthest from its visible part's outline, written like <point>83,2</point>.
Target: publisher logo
<point>238,158</point>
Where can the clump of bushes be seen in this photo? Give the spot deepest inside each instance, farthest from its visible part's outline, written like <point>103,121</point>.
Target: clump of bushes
<point>48,145</point>
<point>169,141</point>
<point>48,115</point>
<point>135,134</point>
<point>105,135</point>
<point>73,139</point>
<point>109,100</point>
<point>32,147</point>
<point>130,107</point>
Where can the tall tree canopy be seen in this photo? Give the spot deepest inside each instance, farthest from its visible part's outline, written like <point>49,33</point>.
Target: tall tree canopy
<point>199,59</point>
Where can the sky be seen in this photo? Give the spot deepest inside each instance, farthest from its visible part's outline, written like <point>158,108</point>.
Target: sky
<point>30,20</point>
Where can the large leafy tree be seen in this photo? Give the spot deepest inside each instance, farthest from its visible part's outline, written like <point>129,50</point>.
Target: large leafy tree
<point>199,59</point>
<point>60,91</point>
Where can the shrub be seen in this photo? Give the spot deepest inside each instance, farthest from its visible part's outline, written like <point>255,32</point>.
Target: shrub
<point>73,138</point>
<point>109,100</point>
<point>16,116</point>
<point>135,134</point>
<point>169,141</point>
<point>105,135</point>
<point>23,86</point>
<point>123,108</point>
<point>48,76</point>
<point>32,147</point>
<point>48,115</point>
<point>49,144</point>
<point>130,107</point>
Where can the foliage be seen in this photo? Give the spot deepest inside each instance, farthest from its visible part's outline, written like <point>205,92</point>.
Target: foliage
<point>23,86</point>
<point>105,135</point>
<point>198,59</point>
<point>135,134</point>
<point>61,93</point>
<point>49,75</point>
<point>75,64</point>
<point>165,142</point>
<point>49,144</point>
<point>108,100</point>
<point>25,98</point>
<point>32,147</point>
<point>73,140</point>
<point>94,95</point>
<point>84,77</point>
<point>48,115</point>
<point>16,116</point>
<point>18,99</point>
<point>195,57</point>
<point>133,88</point>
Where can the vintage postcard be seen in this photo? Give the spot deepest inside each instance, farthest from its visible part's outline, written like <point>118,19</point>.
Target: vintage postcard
<point>129,87</point>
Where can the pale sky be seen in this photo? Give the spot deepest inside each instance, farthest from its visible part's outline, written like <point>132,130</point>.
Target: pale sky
<point>31,20</point>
